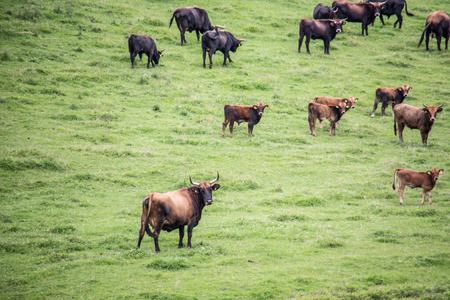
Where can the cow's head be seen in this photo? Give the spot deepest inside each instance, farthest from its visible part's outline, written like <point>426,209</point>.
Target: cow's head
<point>237,43</point>
<point>157,56</point>
<point>350,101</point>
<point>378,6</point>
<point>342,107</point>
<point>259,108</point>
<point>432,111</point>
<point>404,89</point>
<point>205,189</point>
<point>337,24</point>
<point>434,173</point>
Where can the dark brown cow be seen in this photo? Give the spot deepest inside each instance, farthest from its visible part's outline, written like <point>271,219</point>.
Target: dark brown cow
<point>425,180</point>
<point>239,114</point>
<point>189,19</point>
<point>325,30</point>
<point>389,95</point>
<point>365,13</point>
<point>394,7</point>
<point>139,44</point>
<point>332,113</point>
<point>415,118</point>
<point>323,12</point>
<point>350,103</point>
<point>176,209</point>
<point>438,24</point>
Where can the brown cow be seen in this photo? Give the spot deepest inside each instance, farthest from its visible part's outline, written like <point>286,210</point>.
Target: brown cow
<point>350,103</point>
<point>425,180</point>
<point>176,209</point>
<point>389,95</point>
<point>415,118</point>
<point>438,24</point>
<point>239,114</point>
<point>333,113</point>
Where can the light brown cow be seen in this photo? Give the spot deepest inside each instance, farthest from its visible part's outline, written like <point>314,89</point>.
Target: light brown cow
<point>389,95</point>
<point>350,103</point>
<point>176,209</point>
<point>415,118</point>
<point>438,24</point>
<point>425,180</point>
<point>332,113</point>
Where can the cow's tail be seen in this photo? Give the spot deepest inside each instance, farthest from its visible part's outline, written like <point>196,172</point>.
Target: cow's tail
<point>423,34</point>
<point>173,16</point>
<point>131,43</point>
<point>146,211</point>
<point>395,125</point>
<point>393,182</point>
<point>406,9</point>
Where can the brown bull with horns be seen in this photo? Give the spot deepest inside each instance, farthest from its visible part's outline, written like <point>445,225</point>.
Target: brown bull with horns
<point>176,209</point>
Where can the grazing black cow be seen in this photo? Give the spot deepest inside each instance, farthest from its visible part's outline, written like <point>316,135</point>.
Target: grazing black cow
<point>176,209</point>
<point>138,44</point>
<point>223,41</point>
<point>325,30</point>
<point>393,7</point>
<point>323,12</point>
<point>190,19</point>
<point>364,13</point>
<point>438,24</point>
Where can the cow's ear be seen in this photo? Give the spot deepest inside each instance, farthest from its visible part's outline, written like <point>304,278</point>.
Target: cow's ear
<point>346,100</point>
<point>429,172</point>
<point>400,89</point>
<point>215,187</point>
<point>356,99</point>
<point>255,107</point>
<point>440,171</point>
<point>337,106</point>
<point>440,109</point>
<point>410,87</point>
<point>266,106</point>
<point>196,190</point>
<point>425,110</point>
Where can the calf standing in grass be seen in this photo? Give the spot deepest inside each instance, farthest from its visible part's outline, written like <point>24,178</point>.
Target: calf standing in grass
<point>415,118</point>
<point>333,113</point>
<point>350,103</point>
<point>425,180</point>
<point>389,95</point>
<point>239,114</point>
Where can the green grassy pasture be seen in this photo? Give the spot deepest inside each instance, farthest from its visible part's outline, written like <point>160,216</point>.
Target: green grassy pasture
<point>85,138</point>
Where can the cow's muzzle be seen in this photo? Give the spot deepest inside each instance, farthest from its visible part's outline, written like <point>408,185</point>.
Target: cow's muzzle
<point>260,113</point>
<point>338,30</point>
<point>209,202</point>
<point>432,119</point>
<point>377,15</point>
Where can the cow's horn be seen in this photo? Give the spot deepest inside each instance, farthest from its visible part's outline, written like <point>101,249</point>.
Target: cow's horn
<point>335,11</point>
<point>440,106</point>
<point>241,40</point>
<point>219,26</point>
<point>192,182</point>
<point>214,180</point>
<point>425,106</point>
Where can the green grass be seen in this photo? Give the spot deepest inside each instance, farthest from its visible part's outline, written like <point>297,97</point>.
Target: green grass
<point>85,138</point>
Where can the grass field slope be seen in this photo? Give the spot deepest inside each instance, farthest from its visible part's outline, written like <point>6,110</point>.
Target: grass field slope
<point>84,138</point>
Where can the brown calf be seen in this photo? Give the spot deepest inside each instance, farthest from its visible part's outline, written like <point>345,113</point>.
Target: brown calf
<point>235,113</point>
<point>425,180</point>
<point>350,103</point>
<point>176,209</point>
<point>389,95</point>
<point>332,113</point>
<point>415,118</point>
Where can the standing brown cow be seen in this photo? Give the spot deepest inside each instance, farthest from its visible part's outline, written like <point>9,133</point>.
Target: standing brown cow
<point>350,103</point>
<point>332,113</point>
<point>389,95</point>
<point>415,118</point>
<point>239,114</point>
<point>438,23</point>
<point>425,180</point>
<point>176,209</point>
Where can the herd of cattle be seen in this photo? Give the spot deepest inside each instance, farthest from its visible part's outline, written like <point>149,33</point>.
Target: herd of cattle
<point>183,207</point>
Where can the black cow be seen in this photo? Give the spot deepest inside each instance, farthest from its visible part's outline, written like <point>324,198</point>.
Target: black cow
<point>138,44</point>
<point>190,19</point>
<point>325,30</point>
<point>323,12</point>
<point>223,41</point>
<point>365,13</point>
<point>393,7</point>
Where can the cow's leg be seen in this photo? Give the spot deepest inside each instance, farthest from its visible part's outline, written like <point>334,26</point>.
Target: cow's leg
<point>384,105</point>
<point>210,58</point>
<point>132,57</point>
<point>375,105</point>
<point>231,128</point>
<point>446,42</point>
<point>308,39</point>
<point>399,21</point>
<point>181,233</point>
<point>423,197</point>
<point>400,126</point>
<point>321,124</point>
<point>438,40</point>
<point>401,189</point>
<point>381,18</point>
<point>312,125</point>
<point>142,231</point>
<point>424,138</point>
<point>198,35</point>
<point>182,36</point>
<point>204,57</point>
<point>427,39</point>
<point>190,228</point>
<point>225,56</point>
<point>326,45</point>
<point>156,236</point>
<point>300,41</point>
<point>250,129</point>
<point>224,126</point>
<point>429,198</point>
<point>332,128</point>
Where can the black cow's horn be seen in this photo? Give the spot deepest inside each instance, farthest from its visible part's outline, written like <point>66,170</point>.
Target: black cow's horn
<point>440,106</point>
<point>219,26</point>
<point>192,182</point>
<point>214,180</point>
<point>335,11</point>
